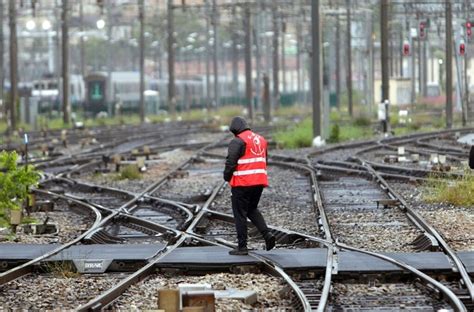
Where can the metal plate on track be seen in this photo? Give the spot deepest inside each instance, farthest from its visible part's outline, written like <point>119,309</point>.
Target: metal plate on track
<point>296,258</point>
<point>350,261</point>
<point>206,255</point>
<point>81,252</point>
<point>24,251</point>
<point>467,258</point>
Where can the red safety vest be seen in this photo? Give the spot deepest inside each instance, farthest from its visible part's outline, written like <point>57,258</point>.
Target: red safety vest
<point>252,166</point>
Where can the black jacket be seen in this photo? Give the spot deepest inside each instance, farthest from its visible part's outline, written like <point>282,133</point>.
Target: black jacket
<point>471,158</point>
<point>236,147</point>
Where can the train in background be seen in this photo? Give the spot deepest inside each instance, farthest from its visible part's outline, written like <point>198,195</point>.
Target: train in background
<point>48,92</point>
<point>97,93</point>
<point>122,92</point>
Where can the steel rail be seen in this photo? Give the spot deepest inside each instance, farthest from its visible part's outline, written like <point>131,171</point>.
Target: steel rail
<point>427,227</point>
<point>304,301</point>
<point>299,293</point>
<point>451,295</point>
<point>362,172</point>
<point>27,267</point>
<point>445,290</point>
<point>411,137</point>
<point>420,172</point>
<point>330,252</point>
<point>442,150</point>
<point>150,134</point>
<point>316,198</point>
<point>328,235</point>
<point>339,146</point>
<point>9,275</point>
<point>157,227</point>
<point>385,170</point>
<point>182,206</point>
<point>458,150</point>
<point>112,294</point>
<point>395,148</point>
<point>230,219</point>
<point>108,297</point>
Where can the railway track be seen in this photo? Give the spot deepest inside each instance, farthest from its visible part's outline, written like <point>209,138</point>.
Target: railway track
<point>112,203</point>
<point>363,215</point>
<point>323,202</point>
<point>202,222</point>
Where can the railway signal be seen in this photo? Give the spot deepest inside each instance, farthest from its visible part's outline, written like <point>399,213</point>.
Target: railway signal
<point>462,48</point>
<point>468,30</point>
<point>422,33</point>
<point>406,48</point>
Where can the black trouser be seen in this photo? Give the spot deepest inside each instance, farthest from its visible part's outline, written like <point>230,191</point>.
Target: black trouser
<point>244,204</point>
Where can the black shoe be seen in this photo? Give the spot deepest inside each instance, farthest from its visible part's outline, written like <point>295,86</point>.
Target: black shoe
<point>269,241</point>
<point>239,252</point>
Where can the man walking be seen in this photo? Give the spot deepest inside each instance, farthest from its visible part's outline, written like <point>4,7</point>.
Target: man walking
<point>246,172</point>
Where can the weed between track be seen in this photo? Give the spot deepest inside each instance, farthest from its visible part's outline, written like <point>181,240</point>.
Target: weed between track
<point>458,191</point>
<point>130,172</point>
<point>62,269</point>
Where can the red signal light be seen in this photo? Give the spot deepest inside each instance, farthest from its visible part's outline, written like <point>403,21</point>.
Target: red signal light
<point>406,48</point>
<point>468,29</point>
<point>422,30</point>
<point>462,48</point>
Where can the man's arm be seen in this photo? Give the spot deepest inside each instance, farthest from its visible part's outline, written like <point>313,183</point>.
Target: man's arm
<point>235,151</point>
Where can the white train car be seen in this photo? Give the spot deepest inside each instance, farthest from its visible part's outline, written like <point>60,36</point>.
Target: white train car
<point>48,92</point>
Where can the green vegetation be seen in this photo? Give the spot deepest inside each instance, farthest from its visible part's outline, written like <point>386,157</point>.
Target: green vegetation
<point>335,134</point>
<point>293,110</point>
<point>301,135</point>
<point>422,118</point>
<point>458,192</point>
<point>129,172</point>
<point>223,114</point>
<point>28,220</point>
<point>354,132</point>
<point>61,269</point>
<point>413,128</point>
<point>3,223</point>
<point>362,121</point>
<point>14,182</point>
<point>298,136</point>
<point>51,123</point>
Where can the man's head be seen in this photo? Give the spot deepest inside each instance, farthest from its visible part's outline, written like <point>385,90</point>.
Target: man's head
<point>238,125</point>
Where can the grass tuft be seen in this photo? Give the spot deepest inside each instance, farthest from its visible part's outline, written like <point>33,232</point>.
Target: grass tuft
<point>335,134</point>
<point>129,172</point>
<point>62,269</point>
<point>458,192</point>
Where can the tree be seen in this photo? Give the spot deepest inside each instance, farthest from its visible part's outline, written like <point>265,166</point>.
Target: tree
<point>14,181</point>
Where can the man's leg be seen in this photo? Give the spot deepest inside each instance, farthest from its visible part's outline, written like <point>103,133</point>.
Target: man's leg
<point>257,219</point>
<point>253,213</point>
<point>239,208</point>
